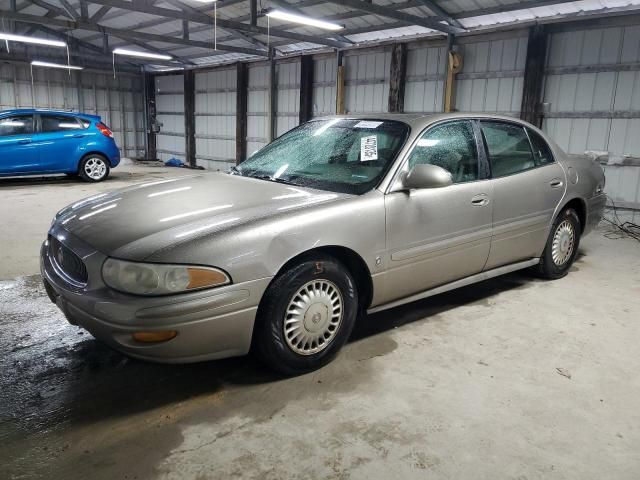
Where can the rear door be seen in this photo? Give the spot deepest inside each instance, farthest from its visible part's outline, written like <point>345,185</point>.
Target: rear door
<point>18,154</point>
<point>527,186</point>
<point>60,140</point>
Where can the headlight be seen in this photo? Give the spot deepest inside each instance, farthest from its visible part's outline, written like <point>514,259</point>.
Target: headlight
<point>159,279</point>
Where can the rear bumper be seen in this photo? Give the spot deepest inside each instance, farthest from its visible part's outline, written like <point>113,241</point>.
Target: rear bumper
<point>595,212</point>
<point>113,154</point>
<point>210,324</point>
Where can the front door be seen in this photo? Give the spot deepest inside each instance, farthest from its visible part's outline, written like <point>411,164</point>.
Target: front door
<point>18,154</point>
<point>439,235</point>
<point>527,187</point>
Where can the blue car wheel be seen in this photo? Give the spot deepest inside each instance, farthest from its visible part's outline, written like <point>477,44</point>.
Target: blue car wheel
<point>94,168</point>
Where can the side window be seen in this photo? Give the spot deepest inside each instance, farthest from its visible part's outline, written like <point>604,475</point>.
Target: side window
<point>59,123</point>
<point>508,148</point>
<point>451,146</point>
<point>541,151</point>
<point>16,125</point>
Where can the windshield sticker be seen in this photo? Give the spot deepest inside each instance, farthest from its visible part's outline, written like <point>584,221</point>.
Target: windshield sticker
<point>368,148</point>
<point>367,124</point>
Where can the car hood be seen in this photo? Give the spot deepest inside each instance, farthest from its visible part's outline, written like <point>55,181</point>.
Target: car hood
<point>150,216</point>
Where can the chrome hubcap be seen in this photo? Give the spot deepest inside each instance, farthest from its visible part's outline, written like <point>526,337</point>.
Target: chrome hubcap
<point>563,243</point>
<point>313,317</point>
<point>95,168</point>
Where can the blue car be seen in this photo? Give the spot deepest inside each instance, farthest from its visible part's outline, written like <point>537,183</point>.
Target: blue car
<point>37,142</point>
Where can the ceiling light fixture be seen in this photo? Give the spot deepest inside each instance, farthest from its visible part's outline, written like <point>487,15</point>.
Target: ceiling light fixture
<point>136,53</point>
<point>38,63</point>
<point>302,19</point>
<point>10,37</point>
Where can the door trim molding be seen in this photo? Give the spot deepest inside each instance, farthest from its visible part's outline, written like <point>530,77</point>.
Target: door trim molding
<point>478,277</point>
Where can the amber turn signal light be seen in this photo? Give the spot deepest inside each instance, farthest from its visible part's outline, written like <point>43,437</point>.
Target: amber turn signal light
<point>200,278</point>
<point>154,337</point>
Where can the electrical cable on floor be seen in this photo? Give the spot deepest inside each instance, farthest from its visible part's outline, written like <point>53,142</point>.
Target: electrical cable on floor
<point>622,229</point>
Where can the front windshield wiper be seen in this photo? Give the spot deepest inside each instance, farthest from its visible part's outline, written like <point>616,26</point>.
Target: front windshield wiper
<point>274,179</point>
<point>235,170</point>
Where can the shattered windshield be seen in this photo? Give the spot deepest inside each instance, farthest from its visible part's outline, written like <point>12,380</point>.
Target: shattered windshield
<point>340,155</point>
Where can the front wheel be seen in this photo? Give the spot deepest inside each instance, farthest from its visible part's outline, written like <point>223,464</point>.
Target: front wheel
<point>306,316</point>
<point>94,168</point>
<point>562,245</point>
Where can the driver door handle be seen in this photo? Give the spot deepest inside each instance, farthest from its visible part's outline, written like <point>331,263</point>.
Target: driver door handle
<point>480,200</point>
<point>24,141</point>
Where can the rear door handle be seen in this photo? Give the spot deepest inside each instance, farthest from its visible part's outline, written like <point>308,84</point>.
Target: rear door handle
<point>24,141</point>
<point>556,183</point>
<point>480,200</point>
<point>79,135</point>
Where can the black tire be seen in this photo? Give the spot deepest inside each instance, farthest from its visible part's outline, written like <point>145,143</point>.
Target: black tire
<point>101,171</point>
<point>549,267</point>
<point>270,342</point>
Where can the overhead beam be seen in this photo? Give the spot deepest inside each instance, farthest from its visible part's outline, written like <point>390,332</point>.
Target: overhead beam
<point>194,11</point>
<point>125,34</point>
<point>291,8</point>
<point>102,11</point>
<point>222,23</point>
<point>433,23</point>
<point>69,9</point>
<point>441,12</point>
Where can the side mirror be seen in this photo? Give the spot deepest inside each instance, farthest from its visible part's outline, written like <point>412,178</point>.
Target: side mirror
<point>426,176</point>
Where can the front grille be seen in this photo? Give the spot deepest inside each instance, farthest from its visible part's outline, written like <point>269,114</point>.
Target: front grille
<point>70,264</point>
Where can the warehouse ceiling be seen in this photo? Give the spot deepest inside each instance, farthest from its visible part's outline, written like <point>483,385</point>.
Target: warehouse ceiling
<point>194,33</point>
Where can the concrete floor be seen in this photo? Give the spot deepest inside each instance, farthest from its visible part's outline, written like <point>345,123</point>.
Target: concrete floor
<point>511,378</point>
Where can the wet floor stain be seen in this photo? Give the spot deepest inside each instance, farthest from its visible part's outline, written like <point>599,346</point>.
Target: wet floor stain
<point>73,408</point>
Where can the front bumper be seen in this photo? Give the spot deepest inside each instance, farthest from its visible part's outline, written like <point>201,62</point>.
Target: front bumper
<point>211,324</point>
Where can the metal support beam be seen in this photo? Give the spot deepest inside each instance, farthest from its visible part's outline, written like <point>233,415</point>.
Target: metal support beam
<point>222,23</point>
<point>185,29</point>
<point>441,12</point>
<point>253,12</point>
<point>534,75</point>
<point>190,116</point>
<point>69,9</point>
<point>306,88</point>
<point>397,77</point>
<point>102,11</point>
<point>150,116</point>
<point>340,75</point>
<point>273,97</point>
<point>242,94</point>
<point>84,11</point>
<point>126,34</point>
<point>433,23</point>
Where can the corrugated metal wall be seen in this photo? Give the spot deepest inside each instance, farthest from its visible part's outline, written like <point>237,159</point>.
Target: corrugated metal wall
<point>118,101</point>
<point>288,95</point>
<point>426,72</point>
<point>324,85</point>
<point>216,119</point>
<point>258,107</point>
<point>170,112</point>
<point>592,90</point>
<point>492,73</point>
<point>367,80</point>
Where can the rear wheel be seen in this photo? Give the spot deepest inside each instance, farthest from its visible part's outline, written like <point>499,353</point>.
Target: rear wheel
<point>562,245</point>
<point>94,168</point>
<point>306,316</point>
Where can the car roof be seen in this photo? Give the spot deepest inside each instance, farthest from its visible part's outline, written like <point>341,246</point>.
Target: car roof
<point>27,111</point>
<point>422,120</point>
